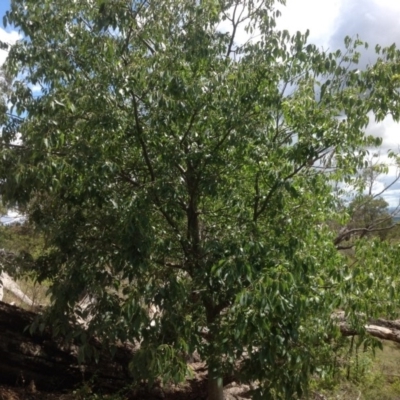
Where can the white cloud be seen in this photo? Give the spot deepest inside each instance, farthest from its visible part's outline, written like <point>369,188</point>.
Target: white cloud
<point>375,21</point>
<point>329,21</point>
<point>10,38</point>
<point>320,17</point>
<point>388,130</point>
<point>7,37</point>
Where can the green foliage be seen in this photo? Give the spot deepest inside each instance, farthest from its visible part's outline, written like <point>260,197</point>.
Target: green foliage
<point>86,392</point>
<point>21,238</point>
<point>167,165</point>
<point>371,213</point>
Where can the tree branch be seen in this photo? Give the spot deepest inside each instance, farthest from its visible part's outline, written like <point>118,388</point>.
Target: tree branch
<point>363,231</point>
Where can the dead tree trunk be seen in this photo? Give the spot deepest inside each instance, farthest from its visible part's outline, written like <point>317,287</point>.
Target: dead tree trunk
<point>380,328</point>
<point>9,284</point>
<point>50,363</point>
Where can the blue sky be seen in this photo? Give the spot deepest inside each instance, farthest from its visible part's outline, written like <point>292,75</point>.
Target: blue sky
<point>329,21</point>
<point>4,6</point>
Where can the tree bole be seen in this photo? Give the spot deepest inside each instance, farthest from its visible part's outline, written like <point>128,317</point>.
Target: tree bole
<point>215,388</point>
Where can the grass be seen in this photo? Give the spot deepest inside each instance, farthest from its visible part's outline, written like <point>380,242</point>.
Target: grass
<point>36,292</point>
<point>368,378</point>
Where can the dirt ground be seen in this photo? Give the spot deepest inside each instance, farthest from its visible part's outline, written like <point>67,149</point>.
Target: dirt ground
<point>194,389</point>
<point>15,393</point>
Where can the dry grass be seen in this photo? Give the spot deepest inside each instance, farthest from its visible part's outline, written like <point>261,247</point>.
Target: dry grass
<point>371,377</point>
<point>35,291</point>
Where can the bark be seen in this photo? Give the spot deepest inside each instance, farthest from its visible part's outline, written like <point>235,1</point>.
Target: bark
<point>215,389</point>
<point>52,364</point>
<point>9,284</point>
<point>379,331</point>
<point>215,383</point>
<point>380,328</point>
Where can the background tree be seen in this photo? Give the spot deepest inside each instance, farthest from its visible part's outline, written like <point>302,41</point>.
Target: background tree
<point>368,213</point>
<point>372,214</point>
<point>168,165</point>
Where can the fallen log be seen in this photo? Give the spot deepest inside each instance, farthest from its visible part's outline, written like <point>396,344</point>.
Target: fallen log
<point>378,331</point>
<point>9,284</point>
<point>379,328</point>
<point>53,364</point>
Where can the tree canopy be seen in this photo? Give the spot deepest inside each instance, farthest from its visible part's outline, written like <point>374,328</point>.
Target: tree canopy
<point>170,165</point>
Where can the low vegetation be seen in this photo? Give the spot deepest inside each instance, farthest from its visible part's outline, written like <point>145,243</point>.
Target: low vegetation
<point>363,375</point>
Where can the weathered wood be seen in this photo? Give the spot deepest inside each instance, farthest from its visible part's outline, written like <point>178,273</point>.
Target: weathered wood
<point>9,284</point>
<point>380,328</point>
<point>380,332</point>
<point>50,363</point>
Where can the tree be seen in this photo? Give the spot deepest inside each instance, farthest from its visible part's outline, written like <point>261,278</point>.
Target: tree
<point>368,212</point>
<point>169,165</point>
<point>372,213</point>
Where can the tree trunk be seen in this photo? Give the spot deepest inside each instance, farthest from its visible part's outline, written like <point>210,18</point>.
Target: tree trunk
<point>215,388</point>
<point>215,384</point>
<point>52,364</point>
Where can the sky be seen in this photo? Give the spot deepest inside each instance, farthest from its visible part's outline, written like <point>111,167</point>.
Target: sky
<point>329,21</point>
<point>375,21</point>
